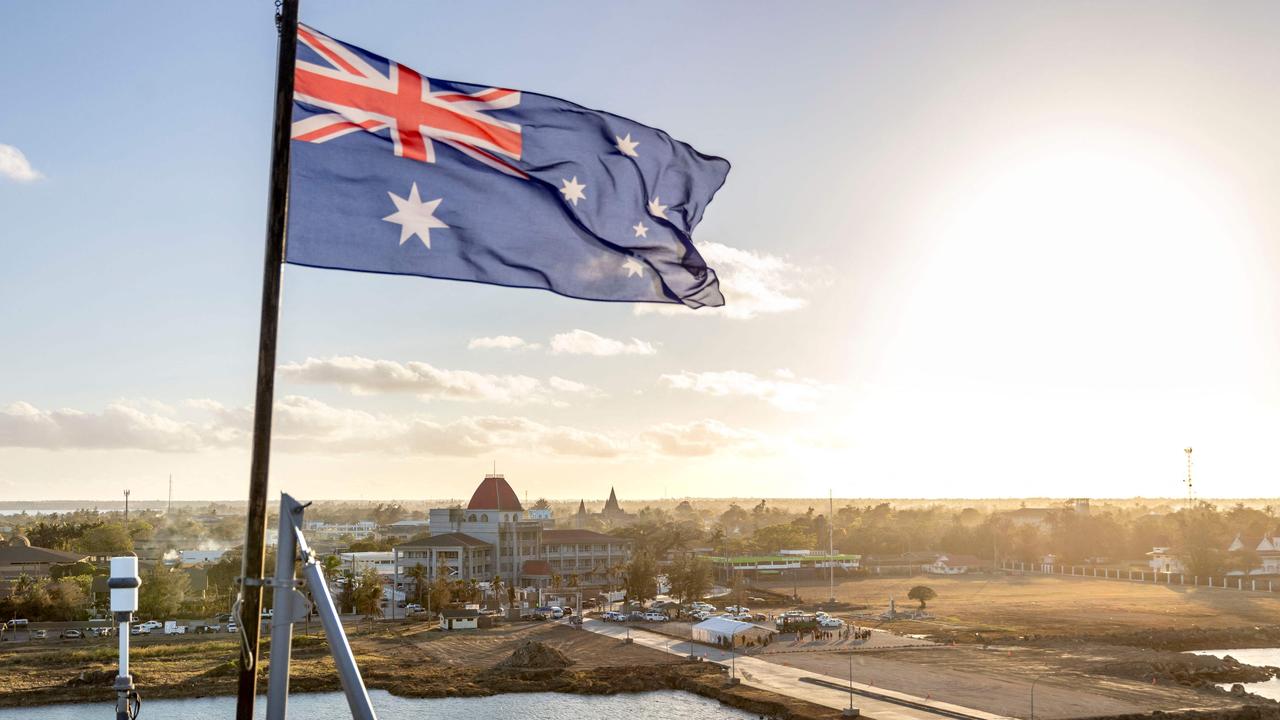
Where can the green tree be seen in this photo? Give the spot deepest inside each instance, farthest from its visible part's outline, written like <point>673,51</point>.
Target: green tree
<point>921,594</point>
<point>162,592</point>
<point>641,578</point>
<point>418,574</point>
<point>105,539</point>
<point>690,577</point>
<point>368,594</point>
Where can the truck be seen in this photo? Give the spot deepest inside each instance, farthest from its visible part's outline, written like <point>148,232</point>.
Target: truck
<point>171,627</point>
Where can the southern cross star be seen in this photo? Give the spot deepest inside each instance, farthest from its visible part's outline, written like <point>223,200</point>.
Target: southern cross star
<point>641,230</point>
<point>633,267</point>
<point>656,209</point>
<point>414,216</point>
<point>627,146</point>
<point>573,191</point>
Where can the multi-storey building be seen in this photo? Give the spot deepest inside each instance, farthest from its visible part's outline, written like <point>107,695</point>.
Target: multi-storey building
<point>495,536</point>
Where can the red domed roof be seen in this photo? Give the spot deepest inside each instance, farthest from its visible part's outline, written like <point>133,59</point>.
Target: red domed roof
<point>494,494</point>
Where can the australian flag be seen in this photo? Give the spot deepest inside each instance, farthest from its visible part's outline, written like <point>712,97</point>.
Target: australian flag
<point>395,172</point>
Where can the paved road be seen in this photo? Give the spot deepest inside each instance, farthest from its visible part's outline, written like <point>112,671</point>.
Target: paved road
<point>787,681</point>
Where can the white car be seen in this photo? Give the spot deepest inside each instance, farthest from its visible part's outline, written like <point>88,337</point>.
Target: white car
<point>743,617</point>
<point>699,614</point>
<point>831,622</point>
<point>702,607</point>
<point>231,627</point>
<point>655,617</point>
<point>150,625</point>
<point>737,609</point>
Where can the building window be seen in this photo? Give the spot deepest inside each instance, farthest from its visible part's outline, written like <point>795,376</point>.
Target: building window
<point>472,518</point>
<point>484,517</point>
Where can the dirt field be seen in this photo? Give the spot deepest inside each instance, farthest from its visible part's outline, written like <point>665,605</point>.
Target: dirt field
<point>404,658</point>
<point>1048,606</point>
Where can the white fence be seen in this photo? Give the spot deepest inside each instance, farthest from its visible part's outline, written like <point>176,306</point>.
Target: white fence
<point>1229,582</point>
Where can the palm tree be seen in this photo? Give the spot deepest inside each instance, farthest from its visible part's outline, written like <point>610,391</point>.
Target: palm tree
<point>496,586</point>
<point>556,582</point>
<point>418,574</point>
<point>573,580</point>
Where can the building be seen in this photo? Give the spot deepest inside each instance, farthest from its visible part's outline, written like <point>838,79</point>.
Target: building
<point>591,556</point>
<point>458,556</point>
<point>319,530</point>
<point>611,514</point>
<point>1266,549</point>
<point>404,529</point>
<point>1165,560</point>
<point>723,631</point>
<point>459,619</point>
<point>187,558</point>
<point>18,557</point>
<point>357,562</point>
<point>948,564</point>
<point>494,536</point>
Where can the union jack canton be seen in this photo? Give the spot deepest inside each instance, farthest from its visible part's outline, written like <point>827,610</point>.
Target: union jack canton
<point>395,172</point>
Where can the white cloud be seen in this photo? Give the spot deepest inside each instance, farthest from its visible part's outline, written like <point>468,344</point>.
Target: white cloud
<point>784,393</point>
<point>582,342</point>
<point>364,376</point>
<point>753,283</point>
<point>700,438</point>
<point>501,342</point>
<point>117,426</point>
<point>15,166</point>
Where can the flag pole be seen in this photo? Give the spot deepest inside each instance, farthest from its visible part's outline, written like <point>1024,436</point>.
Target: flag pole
<point>251,569</point>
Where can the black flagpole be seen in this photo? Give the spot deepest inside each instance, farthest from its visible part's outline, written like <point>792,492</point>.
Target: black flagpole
<point>251,570</point>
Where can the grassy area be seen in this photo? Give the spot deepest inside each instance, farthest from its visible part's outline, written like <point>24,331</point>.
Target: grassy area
<point>1050,605</point>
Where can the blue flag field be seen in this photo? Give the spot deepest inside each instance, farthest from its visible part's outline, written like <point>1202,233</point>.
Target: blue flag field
<point>394,172</point>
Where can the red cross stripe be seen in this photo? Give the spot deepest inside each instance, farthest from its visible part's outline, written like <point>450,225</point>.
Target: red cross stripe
<point>363,99</point>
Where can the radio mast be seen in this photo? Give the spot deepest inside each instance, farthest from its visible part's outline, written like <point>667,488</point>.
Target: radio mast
<point>1191,492</point>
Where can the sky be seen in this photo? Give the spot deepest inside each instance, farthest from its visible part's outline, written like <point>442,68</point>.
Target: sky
<point>980,249</point>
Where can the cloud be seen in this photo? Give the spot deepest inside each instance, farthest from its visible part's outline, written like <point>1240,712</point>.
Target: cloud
<point>117,426</point>
<point>582,342</point>
<point>753,283</point>
<point>306,425</point>
<point>701,438</point>
<point>501,342</point>
<point>784,392</point>
<point>14,165</point>
<point>366,376</point>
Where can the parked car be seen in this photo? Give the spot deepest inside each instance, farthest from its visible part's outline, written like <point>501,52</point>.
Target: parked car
<point>414,608</point>
<point>698,605</point>
<point>831,622</point>
<point>151,625</point>
<point>743,617</point>
<point>39,634</point>
<point>138,630</point>
<point>223,618</point>
<point>231,627</point>
<point>611,616</point>
<point>699,615</point>
<point>102,631</point>
<point>635,616</point>
<point>652,616</point>
<point>737,609</point>
<point>204,629</point>
<point>557,612</point>
<point>72,634</point>
<point>17,623</point>
<point>756,599</point>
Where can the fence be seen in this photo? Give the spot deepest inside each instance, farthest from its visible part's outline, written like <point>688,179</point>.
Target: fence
<point>1240,583</point>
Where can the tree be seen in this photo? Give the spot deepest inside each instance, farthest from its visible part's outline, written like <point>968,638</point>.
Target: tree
<point>368,594</point>
<point>541,504</point>
<point>440,593</point>
<point>105,539</point>
<point>922,593</point>
<point>690,577</point>
<point>641,578</point>
<point>162,592</point>
<point>418,574</point>
<point>331,564</point>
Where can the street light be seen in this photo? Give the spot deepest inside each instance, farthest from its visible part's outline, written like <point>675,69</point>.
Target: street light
<point>851,711</point>
<point>1033,696</point>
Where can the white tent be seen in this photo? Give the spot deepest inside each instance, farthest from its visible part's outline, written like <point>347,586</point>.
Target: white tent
<point>718,630</point>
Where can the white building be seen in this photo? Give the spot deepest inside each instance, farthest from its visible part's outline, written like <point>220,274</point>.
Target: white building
<point>320,530</point>
<point>357,562</point>
<point>1165,560</point>
<point>199,557</point>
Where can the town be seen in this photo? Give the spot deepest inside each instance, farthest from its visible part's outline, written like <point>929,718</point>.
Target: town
<point>767,579</point>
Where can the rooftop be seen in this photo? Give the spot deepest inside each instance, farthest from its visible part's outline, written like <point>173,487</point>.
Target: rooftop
<point>494,494</point>
<point>445,540</point>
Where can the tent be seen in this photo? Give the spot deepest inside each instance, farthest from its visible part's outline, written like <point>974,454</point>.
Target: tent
<point>719,630</point>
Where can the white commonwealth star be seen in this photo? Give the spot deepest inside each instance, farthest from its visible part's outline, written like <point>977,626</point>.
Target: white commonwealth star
<point>627,146</point>
<point>641,230</point>
<point>414,216</point>
<point>573,190</point>
<point>657,209</point>
<point>633,267</point>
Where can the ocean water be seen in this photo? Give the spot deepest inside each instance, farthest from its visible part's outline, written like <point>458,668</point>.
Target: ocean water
<point>1253,656</point>
<point>663,705</point>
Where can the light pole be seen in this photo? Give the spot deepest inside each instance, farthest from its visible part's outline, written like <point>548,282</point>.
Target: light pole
<point>1033,696</point>
<point>851,711</point>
